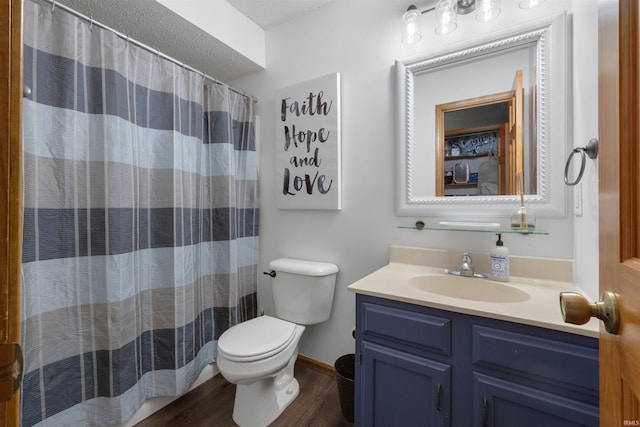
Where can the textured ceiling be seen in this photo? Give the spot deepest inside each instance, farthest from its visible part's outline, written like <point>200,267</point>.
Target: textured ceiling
<point>269,13</point>
<point>158,27</point>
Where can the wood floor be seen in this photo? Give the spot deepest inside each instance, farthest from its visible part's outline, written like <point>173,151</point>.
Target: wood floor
<point>211,404</point>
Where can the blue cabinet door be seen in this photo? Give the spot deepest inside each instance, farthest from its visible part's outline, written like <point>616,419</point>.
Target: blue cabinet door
<point>401,389</point>
<point>501,403</point>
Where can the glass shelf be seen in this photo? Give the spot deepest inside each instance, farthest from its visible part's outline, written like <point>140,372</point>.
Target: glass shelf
<point>476,230</point>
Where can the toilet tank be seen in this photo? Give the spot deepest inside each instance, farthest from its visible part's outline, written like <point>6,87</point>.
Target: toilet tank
<point>303,290</point>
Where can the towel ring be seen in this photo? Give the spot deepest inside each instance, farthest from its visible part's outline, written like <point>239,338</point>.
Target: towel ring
<point>591,150</point>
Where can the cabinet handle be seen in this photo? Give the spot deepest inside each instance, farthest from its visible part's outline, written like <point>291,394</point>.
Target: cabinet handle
<point>485,412</point>
<point>438,394</point>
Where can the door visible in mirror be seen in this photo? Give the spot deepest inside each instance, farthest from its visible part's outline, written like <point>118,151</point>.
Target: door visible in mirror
<point>485,133</point>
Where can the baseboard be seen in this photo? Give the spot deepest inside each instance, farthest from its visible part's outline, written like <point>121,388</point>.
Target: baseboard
<point>316,365</point>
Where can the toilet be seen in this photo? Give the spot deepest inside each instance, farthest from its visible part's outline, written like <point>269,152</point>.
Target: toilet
<point>259,355</point>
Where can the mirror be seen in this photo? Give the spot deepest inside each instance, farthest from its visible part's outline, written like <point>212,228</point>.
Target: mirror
<point>440,100</point>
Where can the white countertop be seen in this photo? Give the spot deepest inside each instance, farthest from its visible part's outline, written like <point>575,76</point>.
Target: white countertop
<point>541,309</point>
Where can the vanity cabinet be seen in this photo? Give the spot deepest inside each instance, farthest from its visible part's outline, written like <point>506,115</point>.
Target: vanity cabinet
<point>419,366</point>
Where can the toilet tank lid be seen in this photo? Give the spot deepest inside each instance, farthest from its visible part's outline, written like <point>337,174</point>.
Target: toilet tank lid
<point>302,267</point>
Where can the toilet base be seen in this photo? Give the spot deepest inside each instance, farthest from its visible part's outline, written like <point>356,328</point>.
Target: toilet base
<point>259,403</point>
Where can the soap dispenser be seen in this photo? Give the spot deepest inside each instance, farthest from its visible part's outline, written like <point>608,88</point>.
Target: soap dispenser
<point>499,261</point>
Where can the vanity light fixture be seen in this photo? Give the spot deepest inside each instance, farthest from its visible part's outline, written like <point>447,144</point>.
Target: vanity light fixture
<point>447,12</point>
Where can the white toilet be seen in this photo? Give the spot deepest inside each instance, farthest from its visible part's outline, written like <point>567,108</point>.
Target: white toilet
<point>259,355</point>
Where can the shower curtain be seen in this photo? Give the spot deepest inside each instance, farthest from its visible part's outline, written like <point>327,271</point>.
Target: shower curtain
<point>140,222</point>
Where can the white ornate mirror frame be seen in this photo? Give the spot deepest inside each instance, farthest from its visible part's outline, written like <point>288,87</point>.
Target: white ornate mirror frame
<point>553,125</point>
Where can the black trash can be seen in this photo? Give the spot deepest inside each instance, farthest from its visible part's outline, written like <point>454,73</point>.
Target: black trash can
<point>345,375</point>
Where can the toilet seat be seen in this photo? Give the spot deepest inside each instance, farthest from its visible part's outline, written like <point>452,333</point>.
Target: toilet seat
<point>256,339</point>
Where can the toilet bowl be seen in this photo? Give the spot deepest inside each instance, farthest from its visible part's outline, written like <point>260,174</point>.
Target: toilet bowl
<point>259,354</point>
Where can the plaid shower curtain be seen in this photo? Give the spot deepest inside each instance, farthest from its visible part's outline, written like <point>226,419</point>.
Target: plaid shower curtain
<point>140,222</point>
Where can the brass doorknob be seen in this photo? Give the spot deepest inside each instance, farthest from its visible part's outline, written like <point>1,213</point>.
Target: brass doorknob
<point>578,310</point>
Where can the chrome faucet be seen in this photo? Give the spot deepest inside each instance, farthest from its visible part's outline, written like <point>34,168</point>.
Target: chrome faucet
<point>466,267</point>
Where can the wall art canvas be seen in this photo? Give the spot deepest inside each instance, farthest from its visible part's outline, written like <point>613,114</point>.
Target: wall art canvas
<point>308,144</point>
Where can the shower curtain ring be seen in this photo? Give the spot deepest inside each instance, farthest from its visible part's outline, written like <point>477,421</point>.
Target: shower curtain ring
<point>53,6</point>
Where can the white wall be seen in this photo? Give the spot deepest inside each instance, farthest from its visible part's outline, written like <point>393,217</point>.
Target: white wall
<point>585,116</point>
<point>361,40</point>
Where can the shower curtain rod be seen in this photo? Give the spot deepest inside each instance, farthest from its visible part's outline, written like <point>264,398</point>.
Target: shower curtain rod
<point>123,36</point>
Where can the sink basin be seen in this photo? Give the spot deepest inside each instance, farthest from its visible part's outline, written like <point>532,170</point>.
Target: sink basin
<point>468,288</point>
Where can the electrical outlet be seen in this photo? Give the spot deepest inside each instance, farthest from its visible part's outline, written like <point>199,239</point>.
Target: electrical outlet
<point>577,200</point>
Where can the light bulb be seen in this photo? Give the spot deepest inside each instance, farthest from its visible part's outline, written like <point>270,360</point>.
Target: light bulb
<point>487,10</point>
<point>446,16</point>
<point>528,4</point>
<point>411,30</point>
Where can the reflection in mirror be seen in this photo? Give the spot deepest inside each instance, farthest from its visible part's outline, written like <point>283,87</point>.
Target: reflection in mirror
<point>477,81</point>
<point>483,136</point>
<point>441,100</point>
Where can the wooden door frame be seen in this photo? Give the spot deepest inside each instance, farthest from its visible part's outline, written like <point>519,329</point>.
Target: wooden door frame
<point>11,89</point>
<point>441,133</point>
